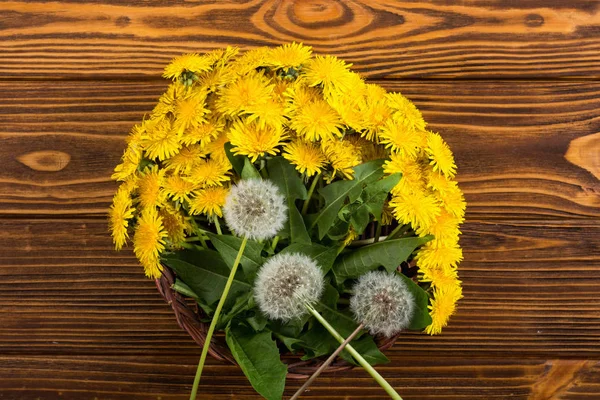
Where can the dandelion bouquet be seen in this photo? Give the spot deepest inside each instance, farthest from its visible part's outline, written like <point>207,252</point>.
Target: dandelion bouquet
<point>337,203</point>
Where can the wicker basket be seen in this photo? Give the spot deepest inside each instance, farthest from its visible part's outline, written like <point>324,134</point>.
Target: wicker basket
<point>189,319</point>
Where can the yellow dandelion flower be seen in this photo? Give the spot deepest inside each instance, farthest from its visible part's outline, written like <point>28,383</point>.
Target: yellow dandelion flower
<point>128,167</point>
<point>375,112</point>
<point>440,155</point>
<point>240,96</point>
<point>416,208</point>
<point>250,60</point>
<point>208,173</point>
<point>298,95</point>
<point>270,113</point>
<point>203,133</point>
<point>191,62</point>
<point>149,187</point>
<point>452,199</point>
<point>443,305</point>
<point>160,140</point>
<point>190,111</point>
<point>406,114</point>
<point>437,181</point>
<point>209,201</point>
<point>177,188</point>
<point>444,229</point>
<point>135,137</point>
<point>216,78</point>
<point>184,161</point>
<point>371,151</point>
<point>387,214</point>
<point>317,121</point>
<point>400,139</point>
<point>412,177</point>
<point>216,149</point>
<point>288,55</point>
<point>221,56</point>
<point>149,242</point>
<point>439,277</point>
<point>175,224</point>
<point>251,140</point>
<point>167,101</point>
<point>307,157</point>
<point>350,237</point>
<point>280,89</point>
<point>329,71</point>
<point>342,155</point>
<point>120,212</point>
<point>438,255</point>
<point>350,105</point>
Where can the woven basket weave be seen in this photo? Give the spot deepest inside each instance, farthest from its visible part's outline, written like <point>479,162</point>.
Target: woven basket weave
<point>189,319</point>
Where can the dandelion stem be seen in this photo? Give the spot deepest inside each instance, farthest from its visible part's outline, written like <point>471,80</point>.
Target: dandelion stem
<point>215,318</point>
<point>326,363</point>
<point>274,244</point>
<point>400,229</point>
<point>382,382</point>
<point>377,232</point>
<point>218,225</point>
<point>310,193</point>
<point>203,241</point>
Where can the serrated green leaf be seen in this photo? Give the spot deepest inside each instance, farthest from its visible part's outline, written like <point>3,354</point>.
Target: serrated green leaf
<point>375,195</point>
<point>336,193</point>
<point>258,357</point>
<point>389,253</point>
<point>228,246</point>
<point>317,341</point>
<point>180,287</point>
<point>291,343</point>
<point>249,171</point>
<point>240,305</point>
<point>421,317</point>
<point>258,322</point>
<point>339,230</point>
<point>206,273</point>
<point>359,217</point>
<point>284,175</point>
<point>323,256</point>
<point>236,161</point>
<point>290,328</point>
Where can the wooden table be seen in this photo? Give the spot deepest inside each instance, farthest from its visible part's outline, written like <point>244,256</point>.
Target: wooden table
<point>512,85</point>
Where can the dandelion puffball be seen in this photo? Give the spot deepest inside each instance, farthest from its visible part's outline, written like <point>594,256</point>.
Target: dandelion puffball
<point>255,208</point>
<point>382,302</point>
<point>285,283</point>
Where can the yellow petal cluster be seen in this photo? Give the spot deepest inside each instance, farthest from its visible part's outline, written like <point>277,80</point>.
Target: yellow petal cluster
<point>312,110</point>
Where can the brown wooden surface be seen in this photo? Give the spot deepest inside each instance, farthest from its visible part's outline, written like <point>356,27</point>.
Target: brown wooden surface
<point>511,85</point>
<point>384,38</point>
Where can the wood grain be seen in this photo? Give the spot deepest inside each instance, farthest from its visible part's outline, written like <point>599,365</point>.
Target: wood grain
<point>166,378</point>
<point>511,85</point>
<point>383,38</point>
<point>518,146</point>
<point>64,291</point>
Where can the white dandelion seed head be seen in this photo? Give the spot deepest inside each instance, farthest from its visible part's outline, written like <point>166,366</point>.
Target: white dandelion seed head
<point>285,283</point>
<point>382,302</point>
<point>255,208</point>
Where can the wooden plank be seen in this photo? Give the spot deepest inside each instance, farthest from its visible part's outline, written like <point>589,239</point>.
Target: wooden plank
<point>383,38</point>
<point>169,378</point>
<point>64,291</point>
<point>526,150</point>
